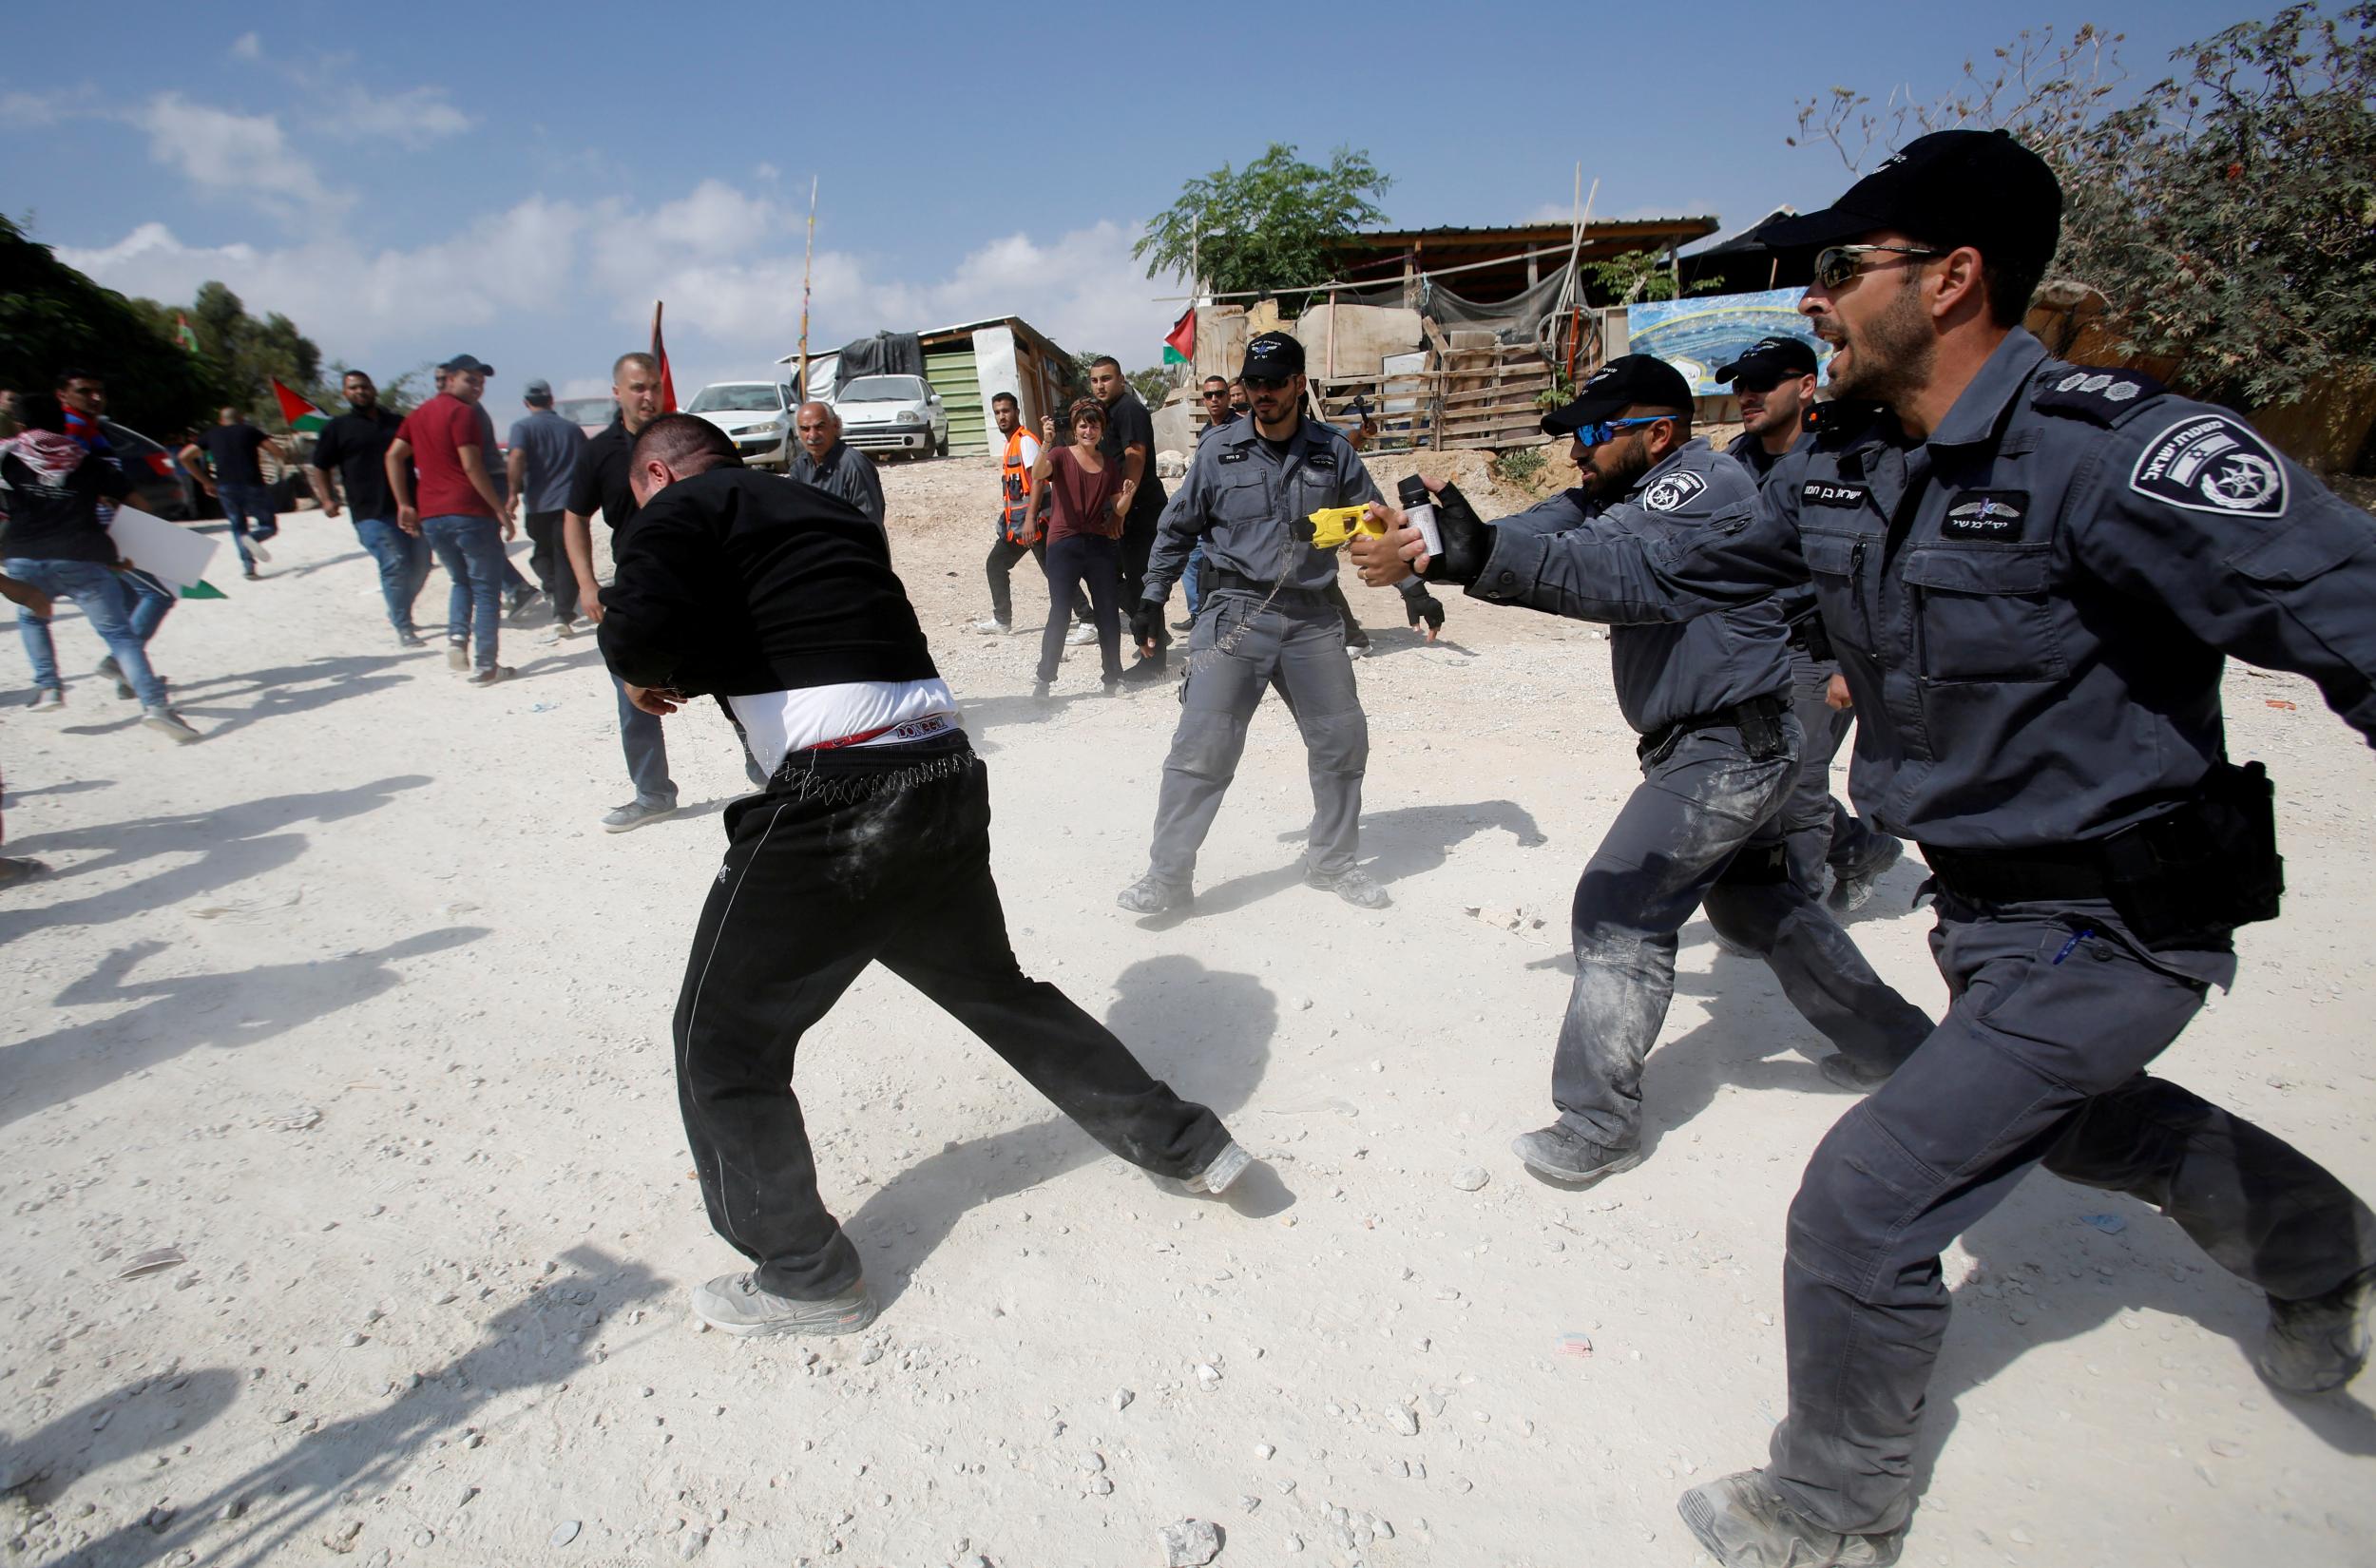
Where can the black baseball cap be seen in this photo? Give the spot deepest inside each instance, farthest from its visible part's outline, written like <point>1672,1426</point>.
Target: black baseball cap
<point>467,362</point>
<point>1620,384</point>
<point>1772,356</point>
<point>1272,356</point>
<point>1952,187</point>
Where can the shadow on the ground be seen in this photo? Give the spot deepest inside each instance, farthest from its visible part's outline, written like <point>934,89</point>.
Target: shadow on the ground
<point>1405,842</point>
<point>182,1013</point>
<point>284,1504</point>
<point>230,844</point>
<point>1207,1032</point>
<point>278,693</point>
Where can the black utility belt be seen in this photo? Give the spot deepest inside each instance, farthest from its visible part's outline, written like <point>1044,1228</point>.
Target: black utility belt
<point>1759,719</point>
<point>2184,878</point>
<point>1239,582</point>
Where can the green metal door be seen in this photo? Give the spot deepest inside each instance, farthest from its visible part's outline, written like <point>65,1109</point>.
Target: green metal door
<point>952,374</point>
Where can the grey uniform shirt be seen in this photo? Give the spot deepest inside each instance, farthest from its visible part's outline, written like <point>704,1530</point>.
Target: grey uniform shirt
<point>1798,604</point>
<point>2033,605</point>
<point>1679,670</point>
<point>1240,497</point>
<point>846,472</point>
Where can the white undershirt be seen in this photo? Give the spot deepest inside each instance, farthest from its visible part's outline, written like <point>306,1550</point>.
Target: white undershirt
<point>777,723</point>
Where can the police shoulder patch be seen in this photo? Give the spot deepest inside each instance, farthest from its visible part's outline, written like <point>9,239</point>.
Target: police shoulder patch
<point>1673,491</point>
<point>2102,396</point>
<point>2213,462</point>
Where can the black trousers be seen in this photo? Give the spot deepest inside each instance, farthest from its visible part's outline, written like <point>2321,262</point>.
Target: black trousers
<point>1000,567</point>
<point>1138,544</point>
<point>850,857</point>
<point>1072,562</point>
<point>549,560</point>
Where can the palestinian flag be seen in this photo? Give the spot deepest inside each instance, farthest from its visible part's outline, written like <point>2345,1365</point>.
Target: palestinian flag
<point>296,412</point>
<point>1179,344</point>
<point>660,357</point>
<point>182,334</point>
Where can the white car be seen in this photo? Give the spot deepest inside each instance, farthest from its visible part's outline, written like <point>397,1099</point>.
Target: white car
<point>756,414</point>
<point>898,413</point>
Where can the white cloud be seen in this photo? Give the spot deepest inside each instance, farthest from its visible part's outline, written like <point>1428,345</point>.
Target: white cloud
<point>411,118</point>
<point>242,155</point>
<point>247,46</point>
<point>546,273</point>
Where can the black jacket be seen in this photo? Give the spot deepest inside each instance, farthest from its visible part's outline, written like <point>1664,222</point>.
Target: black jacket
<point>735,583</point>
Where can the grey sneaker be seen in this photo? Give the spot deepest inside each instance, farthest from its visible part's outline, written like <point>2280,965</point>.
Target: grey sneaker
<point>1151,895</point>
<point>990,626</point>
<point>1745,1523</point>
<point>494,674</point>
<point>1353,885</point>
<point>457,655</point>
<point>1565,1154</point>
<point>635,814</point>
<point>735,1304</point>
<point>1845,1071</point>
<point>170,724</point>
<point>49,700</point>
<point>2316,1346</point>
<point>1853,889</point>
<point>1082,635</point>
<point>110,670</point>
<point>553,634</point>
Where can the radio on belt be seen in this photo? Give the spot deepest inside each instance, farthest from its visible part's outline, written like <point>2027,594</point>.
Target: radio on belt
<point>1419,509</point>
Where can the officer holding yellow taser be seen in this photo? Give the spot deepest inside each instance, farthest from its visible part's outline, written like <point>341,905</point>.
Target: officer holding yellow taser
<point>1249,496</point>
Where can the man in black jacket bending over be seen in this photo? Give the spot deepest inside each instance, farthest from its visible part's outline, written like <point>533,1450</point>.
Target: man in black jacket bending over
<point>871,841</point>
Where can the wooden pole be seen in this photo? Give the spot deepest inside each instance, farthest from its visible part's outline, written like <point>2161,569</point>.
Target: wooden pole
<point>808,261</point>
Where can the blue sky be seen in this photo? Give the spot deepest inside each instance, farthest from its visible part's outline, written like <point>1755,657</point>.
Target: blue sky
<point>522,183</point>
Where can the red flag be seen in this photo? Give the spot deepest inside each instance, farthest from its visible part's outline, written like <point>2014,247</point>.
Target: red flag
<point>659,353</point>
<point>1179,344</point>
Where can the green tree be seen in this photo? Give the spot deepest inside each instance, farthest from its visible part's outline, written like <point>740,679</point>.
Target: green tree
<point>53,318</point>
<point>253,354</point>
<point>1270,225</point>
<point>2227,215</point>
<point>1635,275</point>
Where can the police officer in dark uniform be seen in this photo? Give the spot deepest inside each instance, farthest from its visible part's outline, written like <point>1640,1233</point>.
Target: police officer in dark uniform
<point>1265,618</point>
<point>1775,383</point>
<point>1709,698</point>
<point>2032,572</point>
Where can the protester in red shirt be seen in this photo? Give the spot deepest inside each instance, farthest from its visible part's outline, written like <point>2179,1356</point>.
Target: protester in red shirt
<point>460,510</point>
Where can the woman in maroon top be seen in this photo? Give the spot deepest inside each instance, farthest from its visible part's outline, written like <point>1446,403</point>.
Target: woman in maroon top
<point>1084,540</point>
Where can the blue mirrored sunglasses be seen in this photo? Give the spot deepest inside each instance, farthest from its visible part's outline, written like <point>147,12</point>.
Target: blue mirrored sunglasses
<point>1592,435</point>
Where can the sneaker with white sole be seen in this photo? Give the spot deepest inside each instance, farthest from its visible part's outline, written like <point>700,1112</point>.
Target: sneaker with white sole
<point>170,724</point>
<point>990,627</point>
<point>635,814</point>
<point>1214,1179</point>
<point>553,633</point>
<point>1745,1523</point>
<point>48,700</point>
<point>738,1305</point>
<point>457,655</point>
<point>1082,635</point>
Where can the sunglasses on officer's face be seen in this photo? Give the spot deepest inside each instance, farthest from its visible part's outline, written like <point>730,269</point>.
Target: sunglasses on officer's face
<point>1217,395</point>
<point>1758,383</point>
<point>1835,265</point>
<point>1593,435</point>
<point>1263,383</point>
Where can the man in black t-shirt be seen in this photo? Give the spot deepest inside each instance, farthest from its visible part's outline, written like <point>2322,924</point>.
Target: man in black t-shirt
<point>355,447</point>
<point>1129,440</point>
<point>52,487</point>
<point>237,481</point>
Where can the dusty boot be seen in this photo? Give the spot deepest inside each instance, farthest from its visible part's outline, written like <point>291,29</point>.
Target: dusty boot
<point>1565,1154</point>
<point>2316,1346</point>
<point>1151,895</point>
